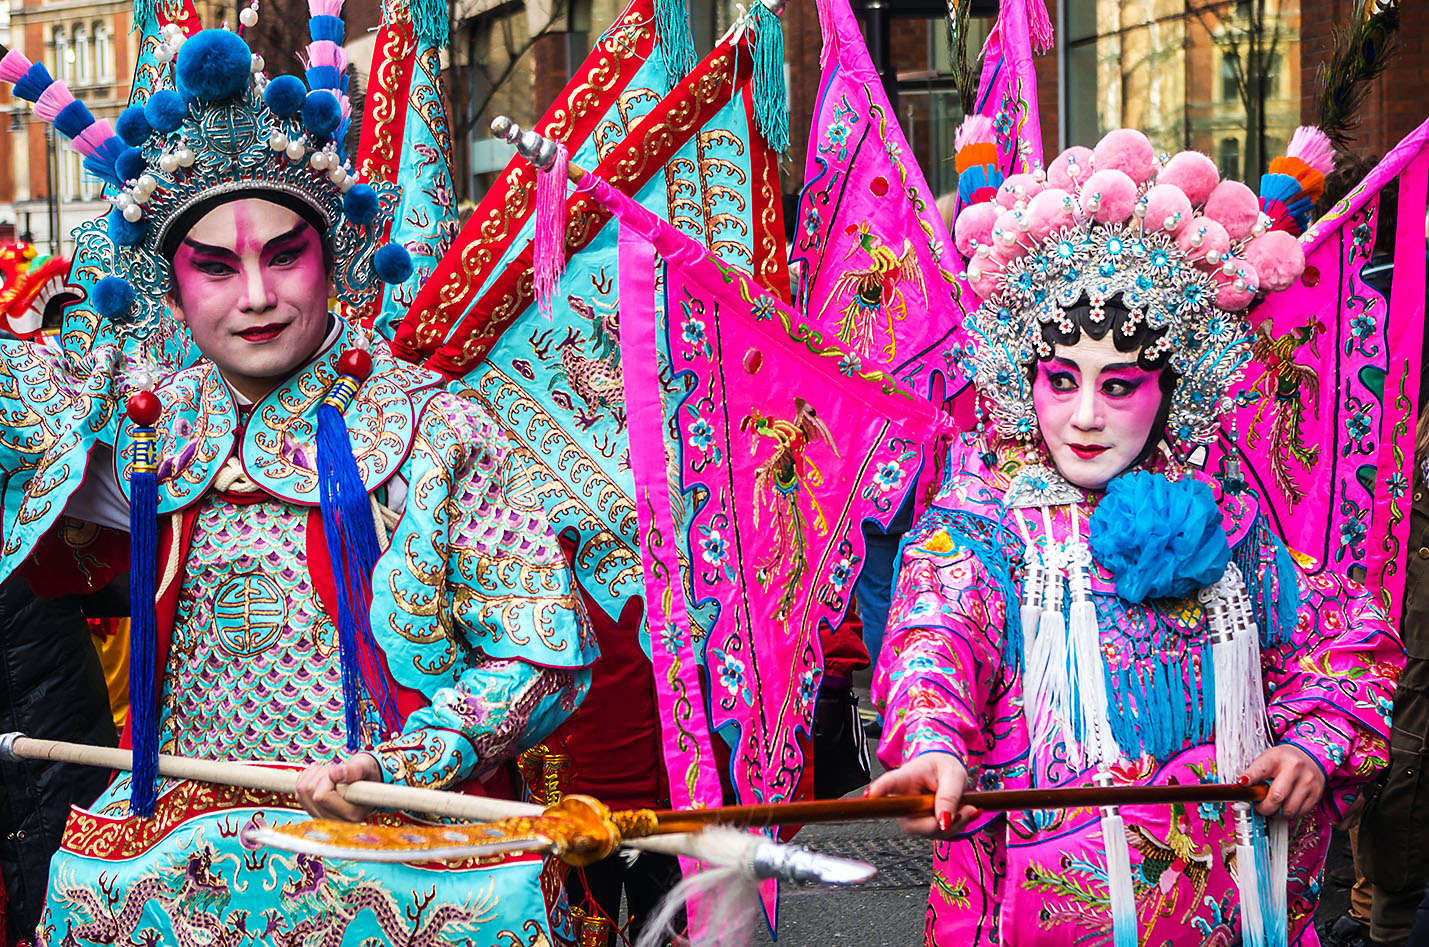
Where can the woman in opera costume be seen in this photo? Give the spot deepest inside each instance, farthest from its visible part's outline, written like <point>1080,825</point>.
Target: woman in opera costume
<point>1081,606</point>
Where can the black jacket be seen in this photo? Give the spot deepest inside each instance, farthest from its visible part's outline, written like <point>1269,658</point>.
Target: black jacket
<point>51,687</point>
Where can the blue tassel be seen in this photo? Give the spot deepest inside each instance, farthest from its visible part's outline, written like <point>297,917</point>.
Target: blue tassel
<point>73,119</point>
<point>353,552</point>
<point>146,19</point>
<point>143,566</point>
<point>429,19</point>
<point>1276,923</point>
<point>101,163</point>
<point>677,45</point>
<point>322,77</point>
<point>325,27</point>
<point>771,98</point>
<point>33,83</point>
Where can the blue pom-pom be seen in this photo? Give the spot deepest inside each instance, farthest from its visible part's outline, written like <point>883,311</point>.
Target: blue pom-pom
<point>132,126</point>
<point>321,113</point>
<point>284,95</point>
<point>1158,538</point>
<point>165,111</point>
<point>113,297</point>
<point>130,164</point>
<point>393,263</point>
<point>214,65</point>
<point>326,27</point>
<point>359,204</point>
<point>122,232</point>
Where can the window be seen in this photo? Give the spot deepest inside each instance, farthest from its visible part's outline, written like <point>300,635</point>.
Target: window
<point>60,67</point>
<point>83,64</point>
<point>103,53</point>
<point>1228,157</point>
<point>1230,76</point>
<point>1272,76</point>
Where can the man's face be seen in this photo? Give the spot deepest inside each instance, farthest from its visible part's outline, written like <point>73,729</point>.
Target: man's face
<point>1095,408</point>
<point>254,291</point>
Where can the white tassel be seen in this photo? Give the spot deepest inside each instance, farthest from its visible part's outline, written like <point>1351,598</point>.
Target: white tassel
<point>1048,671</point>
<point>1241,725</point>
<point>1252,915</point>
<point>1121,894</point>
<point>1087,684</point>
<point>1030,611</point>
<point>1278,921</point>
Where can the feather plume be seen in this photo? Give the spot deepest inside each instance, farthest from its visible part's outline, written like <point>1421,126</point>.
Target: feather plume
<point>1361,52</point>
<point>14,66</point>
<point>89,140</point>
<point>53,100</point>
<point>324,7</point>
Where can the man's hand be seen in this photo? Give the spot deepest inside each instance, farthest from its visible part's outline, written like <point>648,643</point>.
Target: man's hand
<point>1296,781</point>
<point>940,774</point>
<point>317,787</point>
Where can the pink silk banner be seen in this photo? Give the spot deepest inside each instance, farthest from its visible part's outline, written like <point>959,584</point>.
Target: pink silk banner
<point>789,448</point>
<point>1325,417</point>
<point>877,272</point>
<point>1007,89</point>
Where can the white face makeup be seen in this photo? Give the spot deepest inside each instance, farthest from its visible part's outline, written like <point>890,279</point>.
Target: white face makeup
<point>1095,409</point>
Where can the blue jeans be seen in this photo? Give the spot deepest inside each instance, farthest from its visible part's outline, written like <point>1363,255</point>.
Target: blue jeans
<point>874,588</point>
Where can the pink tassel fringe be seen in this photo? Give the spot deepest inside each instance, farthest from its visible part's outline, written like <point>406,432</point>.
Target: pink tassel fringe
<point>1313,147</point>
<point>53,100</point>
<point>92,137</point>
<point>1039,25</point>
<point>974,129</point>
<point>326,53</point>
<point>14,66</point>
<point>325,7</point>
<point>549,256</point>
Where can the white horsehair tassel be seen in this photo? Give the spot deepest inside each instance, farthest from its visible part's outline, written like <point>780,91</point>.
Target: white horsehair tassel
<point>1121,895</point>
<point>1048,670</point>
<point>1087,680</point>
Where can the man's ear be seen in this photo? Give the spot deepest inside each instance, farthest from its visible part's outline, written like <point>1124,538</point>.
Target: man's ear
<point>175,308</point>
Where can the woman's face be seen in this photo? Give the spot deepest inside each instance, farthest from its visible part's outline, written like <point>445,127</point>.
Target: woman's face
<point>1095,408</point>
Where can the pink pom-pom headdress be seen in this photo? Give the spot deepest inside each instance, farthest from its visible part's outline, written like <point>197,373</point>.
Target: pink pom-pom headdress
<point>1179,248</point>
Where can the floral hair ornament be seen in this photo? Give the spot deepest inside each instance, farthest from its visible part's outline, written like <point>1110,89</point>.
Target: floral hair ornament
<point>1182,250</point>
<point>219,131</point>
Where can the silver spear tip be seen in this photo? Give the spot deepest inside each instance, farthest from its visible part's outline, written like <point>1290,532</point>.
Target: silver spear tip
<point>501,126</point>
<point>796,863</point>
<point>7,746</point>
<point>775,7</point>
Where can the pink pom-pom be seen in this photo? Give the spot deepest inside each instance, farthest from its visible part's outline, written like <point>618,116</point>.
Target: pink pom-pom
<point>974,226</point>
<point>1278,260</point>
<point>1049,211</point>
<point>1236,207</point>
<point>984,277</point>
<point>1205,242</point>
<point>1313,147</point>
<point>92,137</point>
<point>14,66</point>
<point>1108,196</point>
<point>1070,168</point>
<point>1127,150</point>
<point>1019,187</point>
<point>974,129</point>
<point>1193,173</point>
<point>1168,209</point>
<point>324,7</point>
<point>1235,290</point>
<point>53,100</point>
<point>325,52</point>
<point>1009,239</point>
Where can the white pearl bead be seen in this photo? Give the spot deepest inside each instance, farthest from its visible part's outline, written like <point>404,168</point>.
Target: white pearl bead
<point>1019,191</point>
<point>258,63</point>
<point>177,40</point>
<point>141,196</point>
<point>296,150</point>
<point>1140,209</point>
<point>1171,221</point>
<point>168,163</point>
<point>1228,267</point>
<point>347,183</point>
<point>141,380</point>
<point>974,272</point>
<point>185,156</point>
<point>148,182</point>
<point>123,202</point>
<point>1239,283</point>
<point>1022,224</point>
<point>278,141</point>
<point>1074,170</point>
<point>318,161</point>
<point>1094,205</point>
<point>163,53</point>
<point>1213,258</point>
<point>983,250</point>
<point>248,16</point>
<point>1197,238</point>
<point>133,212</point>
<point>336,174</point>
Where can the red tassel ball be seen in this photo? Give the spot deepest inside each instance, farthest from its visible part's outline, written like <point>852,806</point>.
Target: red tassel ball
<point>355,363</point>
<point>144,407</point>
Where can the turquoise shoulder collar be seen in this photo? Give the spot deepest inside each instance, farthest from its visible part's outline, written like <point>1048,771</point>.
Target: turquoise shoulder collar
<point>277,443</point>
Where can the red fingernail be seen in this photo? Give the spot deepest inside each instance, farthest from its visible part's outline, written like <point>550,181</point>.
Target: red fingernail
<point>1244,780</point>
<point>866,791</point>
<point>945,821</point>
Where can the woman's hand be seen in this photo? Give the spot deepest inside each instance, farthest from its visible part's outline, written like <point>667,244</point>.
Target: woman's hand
<point>942,775</point>
<point>317,787</point>
<point>1296,781</point>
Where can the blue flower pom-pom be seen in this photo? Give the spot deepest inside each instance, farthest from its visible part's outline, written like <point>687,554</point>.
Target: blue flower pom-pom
<point>393,264</point>
<point>122,231</point>
<point>359,204</point>
<point>321,113</point>
<point>214,65</point>
<point>113,297</point>
<point>130,164</point>
<point>284,95</point>
<point>132,127</point>
<point>165,111</point>
<point>1158,538</point>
